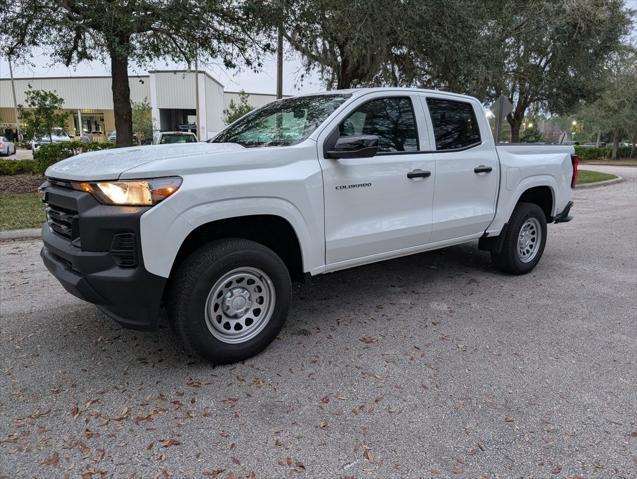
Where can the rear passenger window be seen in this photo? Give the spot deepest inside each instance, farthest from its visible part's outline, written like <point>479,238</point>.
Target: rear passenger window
<point>391,119</point>
<point>454,123</point>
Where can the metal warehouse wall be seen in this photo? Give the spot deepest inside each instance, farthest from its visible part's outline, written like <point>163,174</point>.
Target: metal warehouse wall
<point>175,89</point>
<point>78,92</point>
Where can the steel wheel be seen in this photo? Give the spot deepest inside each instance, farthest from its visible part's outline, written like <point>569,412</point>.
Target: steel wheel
<point>239,305</point>
<point>529,240</point>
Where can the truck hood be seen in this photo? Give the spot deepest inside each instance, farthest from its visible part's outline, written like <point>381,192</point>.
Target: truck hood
<point>112,163</point>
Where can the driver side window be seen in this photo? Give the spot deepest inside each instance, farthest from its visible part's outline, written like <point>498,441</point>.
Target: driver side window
<point>392,119</point>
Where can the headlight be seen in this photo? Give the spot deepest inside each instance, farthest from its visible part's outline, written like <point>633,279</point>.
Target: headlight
<point>131,192</point>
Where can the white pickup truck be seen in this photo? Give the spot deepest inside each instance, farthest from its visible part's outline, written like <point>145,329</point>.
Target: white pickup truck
<point>215,232</point>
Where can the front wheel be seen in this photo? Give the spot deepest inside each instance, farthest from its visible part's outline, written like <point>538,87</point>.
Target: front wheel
<point>229,299</point>
<point>524,240</point>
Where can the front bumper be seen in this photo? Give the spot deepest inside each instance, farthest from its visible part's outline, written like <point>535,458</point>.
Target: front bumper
<point>89,262</point>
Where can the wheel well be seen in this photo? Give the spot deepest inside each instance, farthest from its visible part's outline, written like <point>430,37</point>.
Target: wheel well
<point>541,196</point>
<point>269,230</point>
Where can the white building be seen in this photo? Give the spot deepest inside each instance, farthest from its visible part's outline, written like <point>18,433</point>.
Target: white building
<point>171,95</point>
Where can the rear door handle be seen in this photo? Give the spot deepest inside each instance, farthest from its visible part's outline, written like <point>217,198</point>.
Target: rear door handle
<point>418,174</point>
<point>482,169</point>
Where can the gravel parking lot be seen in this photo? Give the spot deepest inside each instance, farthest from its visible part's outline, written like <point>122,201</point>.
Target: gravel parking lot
<point>433,365</point>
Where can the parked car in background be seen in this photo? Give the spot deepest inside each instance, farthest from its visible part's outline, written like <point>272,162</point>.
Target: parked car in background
<point>113,138</point>
<point>58,135</point>
<point>167,137</point>
<point>6,147</point>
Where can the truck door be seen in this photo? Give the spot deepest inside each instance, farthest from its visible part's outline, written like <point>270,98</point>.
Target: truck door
<point>383,204</point>
<point>467,169</point>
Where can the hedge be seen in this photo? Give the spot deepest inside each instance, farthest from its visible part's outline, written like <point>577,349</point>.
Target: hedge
<point>47,155</point>
<point>18,167</point>
<point>601,153</point>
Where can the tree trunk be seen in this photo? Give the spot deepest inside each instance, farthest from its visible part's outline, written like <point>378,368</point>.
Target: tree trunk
<point>515,122</point>
<point>615,144</point>
<point>344,78</point>
<point>121,98</point>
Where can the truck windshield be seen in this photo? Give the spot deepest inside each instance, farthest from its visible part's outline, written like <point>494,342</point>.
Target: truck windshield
<point>282,123</point>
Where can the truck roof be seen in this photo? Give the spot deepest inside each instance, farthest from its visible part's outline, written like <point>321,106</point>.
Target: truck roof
<point>363,91</point>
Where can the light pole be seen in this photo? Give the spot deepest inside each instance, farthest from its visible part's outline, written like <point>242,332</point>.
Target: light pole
<point>279,57</point>
<point>15,101</point>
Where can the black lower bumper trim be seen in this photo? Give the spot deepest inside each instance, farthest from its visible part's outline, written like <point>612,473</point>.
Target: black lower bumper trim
<point>132,296</point>
<point>564,217</point>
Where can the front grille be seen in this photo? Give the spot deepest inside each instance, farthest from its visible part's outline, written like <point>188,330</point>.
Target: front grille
<point>124,250</point>
<point>62,221</point>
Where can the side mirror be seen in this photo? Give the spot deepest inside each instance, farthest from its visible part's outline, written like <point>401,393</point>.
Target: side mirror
<point>364,146</point>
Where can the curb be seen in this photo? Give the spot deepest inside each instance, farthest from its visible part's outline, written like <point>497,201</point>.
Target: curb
<point>10,235</point>
<point>601,183</point>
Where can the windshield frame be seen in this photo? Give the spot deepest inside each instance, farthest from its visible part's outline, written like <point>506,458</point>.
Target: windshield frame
<point>271,107</point>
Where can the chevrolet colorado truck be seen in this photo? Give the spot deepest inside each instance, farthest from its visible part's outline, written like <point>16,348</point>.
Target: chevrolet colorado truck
<point>215,232</point>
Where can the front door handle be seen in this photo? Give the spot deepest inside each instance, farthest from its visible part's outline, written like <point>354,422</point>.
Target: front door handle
<point>482,169</point>
<point>418,174</point>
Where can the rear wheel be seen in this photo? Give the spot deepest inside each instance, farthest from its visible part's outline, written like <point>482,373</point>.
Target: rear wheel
<point>524,240</point>
<point>229,299</point>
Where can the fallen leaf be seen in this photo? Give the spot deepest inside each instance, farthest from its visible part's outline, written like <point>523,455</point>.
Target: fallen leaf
<point>367,339</point>
<point>557,469</point>
<point>212,472</point>
<point>368,455</point>
<point>508,419</point>
<point>52,460</point>
<point>323,424</point>
<point>169,442</point>
<point>325,399</point>
<point>236,461</point>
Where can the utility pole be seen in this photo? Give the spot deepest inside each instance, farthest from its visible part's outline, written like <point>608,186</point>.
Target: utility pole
<point>15,101</point>
<point>279,57</point>
<point>198,125</point>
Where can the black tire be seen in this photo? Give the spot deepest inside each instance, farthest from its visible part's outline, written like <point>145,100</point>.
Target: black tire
<point>509,260</point>
<point>191,287</point>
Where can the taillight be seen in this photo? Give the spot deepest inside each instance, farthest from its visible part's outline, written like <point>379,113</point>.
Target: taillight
<point>575,160</point>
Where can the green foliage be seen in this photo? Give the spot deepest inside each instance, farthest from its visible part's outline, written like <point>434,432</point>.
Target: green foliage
<point>601,153</point>
<point>551,55</point>
<point>394,42</point>
<point>614,113</point>
<point>142,119</point>
<point>532,135</point>
<point>49,154</point>
<point>237,110</point>
<point>43,112</point>
<point>17,167</point>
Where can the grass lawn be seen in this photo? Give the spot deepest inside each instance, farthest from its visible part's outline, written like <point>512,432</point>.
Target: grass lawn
<point>587,176</point>
<point>20,210</point>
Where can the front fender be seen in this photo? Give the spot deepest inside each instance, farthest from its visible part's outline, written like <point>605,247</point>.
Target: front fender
<point>163,230</point>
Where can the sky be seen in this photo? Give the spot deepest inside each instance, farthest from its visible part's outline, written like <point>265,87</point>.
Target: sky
<point>294,78</point>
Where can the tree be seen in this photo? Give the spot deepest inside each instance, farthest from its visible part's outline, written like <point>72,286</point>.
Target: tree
<point>237,110</point>
<point>389,42</point>
<point>615,111</point>
<point>42,114</point>
<point>142,119</point>
<point>551,55</point>
<point>134,31</point>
